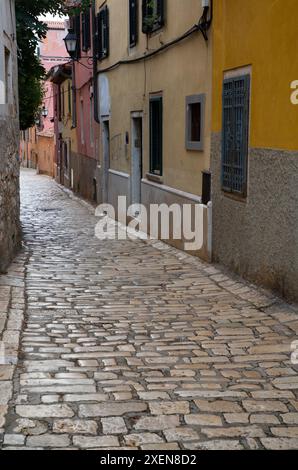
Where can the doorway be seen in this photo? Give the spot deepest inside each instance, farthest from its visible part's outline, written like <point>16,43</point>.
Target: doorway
<point>136,160</point>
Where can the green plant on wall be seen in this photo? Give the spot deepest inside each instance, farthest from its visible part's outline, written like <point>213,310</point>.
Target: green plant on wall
<point>152,18</point>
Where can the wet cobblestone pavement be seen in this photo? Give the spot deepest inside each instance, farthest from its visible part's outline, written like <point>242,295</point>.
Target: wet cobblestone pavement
<point>135,345</point>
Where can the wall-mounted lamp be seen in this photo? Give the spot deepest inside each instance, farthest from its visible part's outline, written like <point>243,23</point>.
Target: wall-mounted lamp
<point>71,43</point>
<point>44,112</point>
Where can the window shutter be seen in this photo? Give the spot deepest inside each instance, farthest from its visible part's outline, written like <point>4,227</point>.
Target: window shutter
<point>100,35</point>
<point>103,33</point>
<point>235,134</point>
<point>97,39</point>
<point>107,32</point>
<point>86,30</point>
<point>71,23</point>
<point>133,22</point>
<point>77,24</point>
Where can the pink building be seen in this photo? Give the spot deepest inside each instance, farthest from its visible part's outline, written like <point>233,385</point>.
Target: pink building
<point>77,133</point>
<point>52,52</point>
<point>37,147</point>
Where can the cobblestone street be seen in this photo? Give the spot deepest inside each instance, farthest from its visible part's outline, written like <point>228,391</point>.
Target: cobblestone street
<point>135,345</point>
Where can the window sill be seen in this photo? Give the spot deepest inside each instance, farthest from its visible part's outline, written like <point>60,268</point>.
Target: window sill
<point>154,178</point>
<point>234,196</point>
<point>194,147</point>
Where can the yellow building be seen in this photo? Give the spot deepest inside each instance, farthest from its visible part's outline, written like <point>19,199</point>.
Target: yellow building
<point>255,140</point>
<point>64,115</point>
<point>154,86</point>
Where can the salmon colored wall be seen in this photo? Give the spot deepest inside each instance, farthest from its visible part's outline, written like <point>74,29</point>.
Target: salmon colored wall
<point>52,52</point>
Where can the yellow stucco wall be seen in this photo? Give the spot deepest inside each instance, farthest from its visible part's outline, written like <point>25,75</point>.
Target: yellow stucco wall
<point>183,70</point>
<point>263,34</point>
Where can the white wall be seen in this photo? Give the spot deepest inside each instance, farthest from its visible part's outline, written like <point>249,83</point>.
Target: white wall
<point>8,66</point>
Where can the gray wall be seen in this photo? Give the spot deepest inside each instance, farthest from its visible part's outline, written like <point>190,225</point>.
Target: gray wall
<point>258,238</point>
<point>85,171</point>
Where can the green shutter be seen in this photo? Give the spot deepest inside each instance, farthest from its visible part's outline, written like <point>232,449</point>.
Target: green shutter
<point>103,33</point>
<point>133,22</point>
<point>86,24</point>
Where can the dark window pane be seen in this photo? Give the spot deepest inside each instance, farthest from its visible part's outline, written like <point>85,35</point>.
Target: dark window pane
<point>195,112</point>
<point>156,136</point>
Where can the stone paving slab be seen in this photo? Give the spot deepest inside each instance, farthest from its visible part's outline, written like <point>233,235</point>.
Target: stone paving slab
<point>135,345</point>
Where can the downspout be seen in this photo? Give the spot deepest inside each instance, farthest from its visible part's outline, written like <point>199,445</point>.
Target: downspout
<point>74,96</point>
<point>95,82</point>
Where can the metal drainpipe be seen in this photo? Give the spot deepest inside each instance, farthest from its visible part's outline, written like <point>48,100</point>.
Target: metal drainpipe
<point>95,84</point>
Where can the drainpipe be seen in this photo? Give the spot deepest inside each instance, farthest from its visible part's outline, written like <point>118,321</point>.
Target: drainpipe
<point>95,84</point>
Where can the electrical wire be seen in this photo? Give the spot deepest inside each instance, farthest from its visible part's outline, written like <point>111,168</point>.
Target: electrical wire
<point>202,27</point>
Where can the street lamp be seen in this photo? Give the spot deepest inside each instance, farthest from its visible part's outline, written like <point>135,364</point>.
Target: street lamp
<point>44,112</point>
<point>71,43</point>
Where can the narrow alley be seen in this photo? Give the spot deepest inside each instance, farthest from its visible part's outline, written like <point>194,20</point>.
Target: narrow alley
<point>135,345</point>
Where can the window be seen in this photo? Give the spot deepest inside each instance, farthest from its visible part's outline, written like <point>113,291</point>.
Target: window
<point>86,32</point>
<point>103,34</point>
<point>195,110</point>
<point>156,135</point>
<point>153,15</point>
<point>133,22</point>
<point>236,93</point>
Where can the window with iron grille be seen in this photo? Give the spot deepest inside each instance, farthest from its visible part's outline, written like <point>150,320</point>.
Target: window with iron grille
<point>236,94</point>
<point>153,15</point>
<point>103,33</point>
<point>156,135</point>
<point>86,31</point>
<point>133,22</point>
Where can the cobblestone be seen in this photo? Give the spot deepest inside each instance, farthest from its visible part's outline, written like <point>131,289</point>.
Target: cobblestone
<point>134,345</point>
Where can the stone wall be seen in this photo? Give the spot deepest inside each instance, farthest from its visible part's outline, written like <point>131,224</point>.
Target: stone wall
<point>258,237</point>
<point>9,136</point>
<point>9,191</point>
